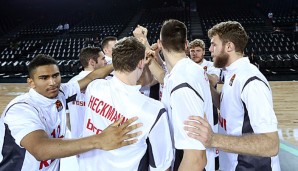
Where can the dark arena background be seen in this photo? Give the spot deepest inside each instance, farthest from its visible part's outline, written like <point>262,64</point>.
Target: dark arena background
<point>31,27</point>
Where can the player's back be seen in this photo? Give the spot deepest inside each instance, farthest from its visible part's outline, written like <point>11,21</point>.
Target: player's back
<point>106,101</point>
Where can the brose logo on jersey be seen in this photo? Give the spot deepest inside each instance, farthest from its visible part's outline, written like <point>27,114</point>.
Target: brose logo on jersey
<point>59,105</point>
<point>232,80</point>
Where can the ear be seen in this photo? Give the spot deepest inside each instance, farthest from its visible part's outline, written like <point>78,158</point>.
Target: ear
<point>30,82</point>
<point>186,45</point>
<point>141,64</point>
<point>91,62</point>
<point>230,47</point>
<point>159,44</point>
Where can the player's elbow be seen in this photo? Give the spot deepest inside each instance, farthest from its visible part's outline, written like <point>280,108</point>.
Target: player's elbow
<point>40,154</point>
<point>272,144</point>
<point>275,148</point>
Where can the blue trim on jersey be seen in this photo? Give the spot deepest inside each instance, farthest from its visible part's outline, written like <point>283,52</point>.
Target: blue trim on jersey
<point>215,115</point>
<point>178,158</point>
<point>62,92</point>
<point>148,158</point>
<point>162,111</point>
<point>150,153</point>
<point>13,155</point>
<point>15,104</point>
<point>144,163</point>
<point>248,162</point>
<point>71,98</point>
<point>188,86</point>
<point>251,79</point>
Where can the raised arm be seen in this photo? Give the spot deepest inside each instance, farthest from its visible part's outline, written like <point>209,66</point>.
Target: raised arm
<point>98,73</point>
<point>154,67</point>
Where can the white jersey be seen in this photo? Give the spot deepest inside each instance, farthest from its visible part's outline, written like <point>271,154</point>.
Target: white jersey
<point>246,107</point>
<point>186,92</point>
<point>108,100</point>
<point>109,61</point>
<point>30,112</point>
<point>76,108</point>
<point>209,67</point>
<point>145,90</point>
<point>2,134</point>
<point>211,70</point>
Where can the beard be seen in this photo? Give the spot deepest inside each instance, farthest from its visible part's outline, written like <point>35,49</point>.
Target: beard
<point>197,60</point>
<point>221,60</point>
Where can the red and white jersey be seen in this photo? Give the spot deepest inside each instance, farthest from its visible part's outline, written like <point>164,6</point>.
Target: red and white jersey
<point>106,102</point>
<point>186,92</point>
<point>246,107</point>
<point>76,108</point>
<point>30,112</point>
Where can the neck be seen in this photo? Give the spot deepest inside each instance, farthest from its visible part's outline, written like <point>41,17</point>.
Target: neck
<point>129,78</point>
<point>89,69</point>
<point>200,62</point>
<point>234,57</point>
<point>172,58</point>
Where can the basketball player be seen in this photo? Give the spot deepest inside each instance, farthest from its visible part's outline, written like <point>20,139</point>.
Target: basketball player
<point>120,96</point>
<point>247,137</point>
<point>186,92</point>
<point>107,44</point>
<point>91,58</point>
<point>197,52</point>
<point>36,122</point>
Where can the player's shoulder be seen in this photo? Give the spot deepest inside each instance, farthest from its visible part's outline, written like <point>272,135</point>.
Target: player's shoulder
<point>99,82</point>
<point>22,103</point>
<point>152,104</point>
<point>249,72</point>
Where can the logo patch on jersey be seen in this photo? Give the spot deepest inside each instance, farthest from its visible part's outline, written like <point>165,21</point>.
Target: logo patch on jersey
<point>232,80</point>
<point>59,105</point>
<point>205,68</point>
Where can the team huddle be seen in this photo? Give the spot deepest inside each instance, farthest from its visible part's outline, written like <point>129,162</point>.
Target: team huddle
<point>114,125</point>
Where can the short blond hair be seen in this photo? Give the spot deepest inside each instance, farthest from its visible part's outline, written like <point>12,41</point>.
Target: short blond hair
<point>197,43</point>
<point>230,31</point>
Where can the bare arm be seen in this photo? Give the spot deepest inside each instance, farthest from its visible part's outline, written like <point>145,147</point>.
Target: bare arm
<point>215,97</point>
<point>157,49</point>
<point>265,144</point>
<point>155,68</point>
<point>98,73</point>
<point>213,79</point>
<point>193,160</point>
<point>44,148</point>
<point>146,78</point>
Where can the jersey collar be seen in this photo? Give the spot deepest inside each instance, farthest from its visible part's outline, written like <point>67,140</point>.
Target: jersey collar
<point>122,86</point>
<point>238,64</point>
<point>40,99</point>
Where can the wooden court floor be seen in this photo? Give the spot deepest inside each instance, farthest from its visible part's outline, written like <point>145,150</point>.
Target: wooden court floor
<point>285,99</point>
